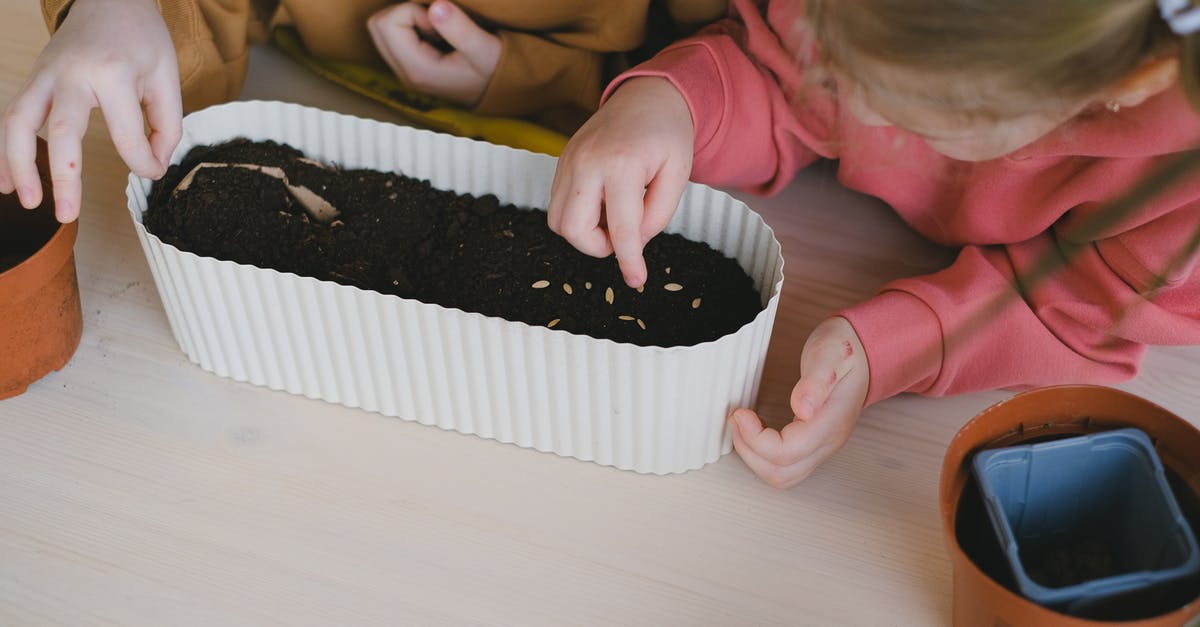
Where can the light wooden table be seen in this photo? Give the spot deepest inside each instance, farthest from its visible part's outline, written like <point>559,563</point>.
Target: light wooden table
<point>136,488</point>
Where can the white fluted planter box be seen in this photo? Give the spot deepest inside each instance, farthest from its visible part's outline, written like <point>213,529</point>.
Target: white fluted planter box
<point>647,409</point>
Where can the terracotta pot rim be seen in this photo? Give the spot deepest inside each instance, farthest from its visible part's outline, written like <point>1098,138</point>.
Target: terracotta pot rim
<point>951,487</point>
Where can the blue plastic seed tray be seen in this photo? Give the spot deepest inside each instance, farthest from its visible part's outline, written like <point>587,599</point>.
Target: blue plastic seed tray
<point>1085,518</point>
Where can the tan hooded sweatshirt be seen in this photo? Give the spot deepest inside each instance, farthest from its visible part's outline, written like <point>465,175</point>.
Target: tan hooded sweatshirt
<point>554,49</point>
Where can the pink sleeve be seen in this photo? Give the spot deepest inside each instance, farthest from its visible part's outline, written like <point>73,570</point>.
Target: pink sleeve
<point>986,322</point>
<point>746,134</point>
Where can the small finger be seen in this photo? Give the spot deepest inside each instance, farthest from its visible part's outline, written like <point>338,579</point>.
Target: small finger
<point>405,16</point>
<point>662,198</point>
<point>64,138</point>
<point>624,210</point>
<point>6,180</point>
<point>385,40</point>
<point>581,219</point>
<point>554,209</point>
<point>395,32</point>
<point>123,114</point>
<point>477,45</point>
<point>21,123</point>
<point>383,45</point>
<point>164,114</point>
<point>746,429</point>
<point>795,442</point>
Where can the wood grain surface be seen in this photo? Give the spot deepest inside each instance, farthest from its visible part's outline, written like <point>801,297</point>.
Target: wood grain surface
<point>137,489</point>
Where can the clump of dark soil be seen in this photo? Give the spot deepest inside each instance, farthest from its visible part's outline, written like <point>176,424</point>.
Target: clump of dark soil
<point>398,235</point>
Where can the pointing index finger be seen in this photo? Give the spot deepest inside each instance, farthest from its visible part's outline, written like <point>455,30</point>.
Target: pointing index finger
<point>624,208</point>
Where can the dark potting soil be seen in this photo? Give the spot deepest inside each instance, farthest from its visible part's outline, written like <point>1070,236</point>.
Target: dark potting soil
<point>23,232</point>
<point>9,261</point>
<point>1068,561</point>
<point>398,235</point>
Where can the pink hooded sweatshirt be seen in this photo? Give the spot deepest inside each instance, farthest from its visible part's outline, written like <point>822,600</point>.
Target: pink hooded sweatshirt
<point>982,322</point>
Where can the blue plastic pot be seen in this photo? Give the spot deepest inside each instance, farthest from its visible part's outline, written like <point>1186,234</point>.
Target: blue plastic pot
<point>1086,518</point>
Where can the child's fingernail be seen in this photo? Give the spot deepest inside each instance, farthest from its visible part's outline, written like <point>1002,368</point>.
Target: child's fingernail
<point>634,279</point>
<point>438,10</point>
<point>64,211</point>
<point>26,196</point>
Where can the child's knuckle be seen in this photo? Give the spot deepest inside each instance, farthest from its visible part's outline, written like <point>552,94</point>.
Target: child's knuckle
<point>13,120</point>
<point>111,70</point>
<point>125,142</point>
<point>61,128</point>
<point>572,232</point>
<point>775,479</point>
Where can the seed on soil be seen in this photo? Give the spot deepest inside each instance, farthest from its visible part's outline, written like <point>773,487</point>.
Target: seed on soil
<point>672,287</point>
<point>608,295</point>
<point>587,285</point>
<point>641,288</point>
<point>550,325</point>
<point>668,269</point>
<point>508,233</point>
<point>696,304</point>
<point>626,318</point>
<point>567,289</point>
<point>540,284</point>
<point>336,223</point>
<point>641,324</point>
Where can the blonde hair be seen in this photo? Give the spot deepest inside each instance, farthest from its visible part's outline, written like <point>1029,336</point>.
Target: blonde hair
<point>1035,51</point>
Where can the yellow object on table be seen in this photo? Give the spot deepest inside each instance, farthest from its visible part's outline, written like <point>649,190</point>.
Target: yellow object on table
<point>420,108</point>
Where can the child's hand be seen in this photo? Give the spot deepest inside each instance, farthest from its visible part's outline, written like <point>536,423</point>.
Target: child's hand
<point>827,401</point>
<point>401,34</point>
<point>112,54</point>
<point>620,177</point>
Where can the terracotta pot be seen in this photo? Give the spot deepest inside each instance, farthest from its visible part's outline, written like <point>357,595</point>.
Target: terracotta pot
<point>984,593</point>
<point>40,318</point>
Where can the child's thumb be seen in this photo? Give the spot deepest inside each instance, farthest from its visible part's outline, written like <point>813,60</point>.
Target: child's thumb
<point>479,46</point>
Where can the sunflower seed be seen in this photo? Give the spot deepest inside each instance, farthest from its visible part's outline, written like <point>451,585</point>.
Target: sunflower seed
<point>587,285</point>
<point>567,289</point>
<point>550,325</point>
<point>626,318</point>
<point>672,287</point>
<point>608,295</point>
<point>641,324</point>
<point>696,304</point>
<point>540,284</point>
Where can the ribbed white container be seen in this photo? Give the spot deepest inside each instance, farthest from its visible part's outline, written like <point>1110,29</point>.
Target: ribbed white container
<point>648,409</point>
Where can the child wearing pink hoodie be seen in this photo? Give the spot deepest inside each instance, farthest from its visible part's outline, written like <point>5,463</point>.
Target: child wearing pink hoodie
<point>1002,128</point>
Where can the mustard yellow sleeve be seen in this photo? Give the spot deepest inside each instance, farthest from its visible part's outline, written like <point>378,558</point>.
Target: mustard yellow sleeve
<point>690,15</point>
<point>535,74</point>
<point>53,11</point>
<point>212,39</point>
